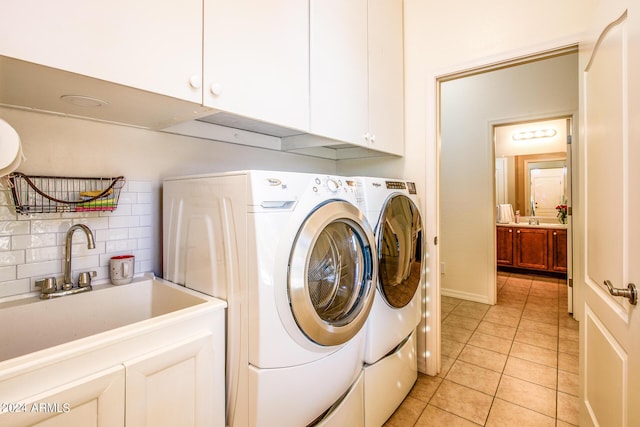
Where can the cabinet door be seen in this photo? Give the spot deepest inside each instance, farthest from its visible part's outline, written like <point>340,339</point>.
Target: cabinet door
<point>532,249</point>
<point>339,76</point>
<point>386,76</point>
<point>96,400</point>
<point>256,59</point>
<point>179,385</point>
<point>151,45</point>
<point>504,245</point>
<point>558,250</point>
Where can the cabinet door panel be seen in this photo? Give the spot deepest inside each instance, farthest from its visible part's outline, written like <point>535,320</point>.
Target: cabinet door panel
<point>339,76</point>
<point>256,59</point>
<point>559,250</point>
<point>504,243</point>
<point>532,248</point>
<point>155,46</point>
<point>96,400</point>
<point>177,386</point>
<point>386,76</point>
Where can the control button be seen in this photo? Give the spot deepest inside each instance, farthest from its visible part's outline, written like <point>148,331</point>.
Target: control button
<point>332,185</point>
<point>318,181</point>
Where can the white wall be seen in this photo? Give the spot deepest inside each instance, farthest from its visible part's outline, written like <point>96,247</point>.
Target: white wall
<point>31,247</point>
<point>470,106</point>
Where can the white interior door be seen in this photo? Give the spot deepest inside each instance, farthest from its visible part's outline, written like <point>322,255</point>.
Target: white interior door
<point>610,325</point>
<point>547,188</point>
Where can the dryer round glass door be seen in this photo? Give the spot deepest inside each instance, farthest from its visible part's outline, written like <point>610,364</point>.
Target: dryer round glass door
<point>332,273</point>
<point>400,250</point>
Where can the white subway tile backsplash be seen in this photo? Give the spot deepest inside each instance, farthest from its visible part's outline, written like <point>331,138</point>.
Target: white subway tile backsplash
<point>145,243</point>
<point>7,274</point>
<point>121,245</point>
<point>15,287</point>
<point>50,225</point>
<point>5,243</point>
<point>12,228</point>
<point>39,269</point>
<point>141,209</point>
<point>27,241</point>
<point>123,210</point>
<point>43,254</point>
<point>32,246</point>
<point>140,232</point>
<point>144,197</point>
<point>11,258</point>
<point>124,221</point>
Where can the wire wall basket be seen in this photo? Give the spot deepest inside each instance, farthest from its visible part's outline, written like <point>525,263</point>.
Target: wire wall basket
<point>46,194</point>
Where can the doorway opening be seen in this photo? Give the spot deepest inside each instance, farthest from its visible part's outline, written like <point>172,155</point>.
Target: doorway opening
<point>533,183</point>
<point>471,104</point>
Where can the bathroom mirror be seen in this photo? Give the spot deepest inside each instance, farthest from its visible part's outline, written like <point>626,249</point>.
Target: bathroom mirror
<point>531,169</point>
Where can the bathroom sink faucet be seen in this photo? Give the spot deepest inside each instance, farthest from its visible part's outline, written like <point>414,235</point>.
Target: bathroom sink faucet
<point>67,282</point>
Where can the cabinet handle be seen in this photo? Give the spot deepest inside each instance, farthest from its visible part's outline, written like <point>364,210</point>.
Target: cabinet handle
<point>510,231</point>
<point>518,231</point>
<point>373,138</point>
<point>631,292</point>
<point>216,88</point>
<point>195,82</point>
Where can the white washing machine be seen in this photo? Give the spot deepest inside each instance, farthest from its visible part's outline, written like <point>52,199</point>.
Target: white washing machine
<point>294,258</point>
<point>390,357</point>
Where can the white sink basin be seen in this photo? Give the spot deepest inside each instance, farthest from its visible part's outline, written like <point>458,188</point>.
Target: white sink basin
<point>32,324</point>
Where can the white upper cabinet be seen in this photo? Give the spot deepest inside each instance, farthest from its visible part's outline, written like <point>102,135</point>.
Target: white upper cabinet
<point>338,50</point>
<point>386,76</point>
<point>256,59</point>
<point>357,83</point>
<point>146,44</point>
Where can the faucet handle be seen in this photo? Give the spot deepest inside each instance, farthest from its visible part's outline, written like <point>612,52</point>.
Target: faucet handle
<point>84,278</point>
<point>47,285</point>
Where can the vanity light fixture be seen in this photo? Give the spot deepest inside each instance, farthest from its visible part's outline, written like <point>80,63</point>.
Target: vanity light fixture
<point>532,134</point>
<point>84,101</point>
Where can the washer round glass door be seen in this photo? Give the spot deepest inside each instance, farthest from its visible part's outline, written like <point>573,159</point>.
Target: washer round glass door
<point>400,250</point>
<point>332,272</point>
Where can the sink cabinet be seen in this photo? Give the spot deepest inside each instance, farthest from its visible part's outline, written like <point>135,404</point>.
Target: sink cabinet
<point>134,393</point>
<point>532,248</point>
<point>165,366</point>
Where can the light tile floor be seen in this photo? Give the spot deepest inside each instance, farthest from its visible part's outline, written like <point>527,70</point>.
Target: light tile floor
<point>512,364</point>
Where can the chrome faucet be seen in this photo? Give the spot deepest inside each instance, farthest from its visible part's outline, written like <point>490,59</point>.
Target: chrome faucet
<point>67,282</point>
<point>50,287</point>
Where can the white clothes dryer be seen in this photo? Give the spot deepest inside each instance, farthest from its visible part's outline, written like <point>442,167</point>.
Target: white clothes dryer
<point>390,346</point>
<point>294,258</point>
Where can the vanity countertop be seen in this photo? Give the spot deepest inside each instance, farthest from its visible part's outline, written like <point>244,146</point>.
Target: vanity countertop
<point>526,224</point>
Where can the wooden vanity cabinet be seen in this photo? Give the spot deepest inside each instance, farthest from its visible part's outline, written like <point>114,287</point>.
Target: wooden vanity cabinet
<point>531,248</point>
<point>540,249</point>
<point>504,243</point>
<point>558,241</point>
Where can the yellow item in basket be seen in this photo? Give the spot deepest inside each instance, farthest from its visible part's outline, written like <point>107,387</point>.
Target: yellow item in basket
<point>95,193</point>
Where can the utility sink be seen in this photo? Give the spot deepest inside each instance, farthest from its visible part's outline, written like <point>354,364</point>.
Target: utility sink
<point>31,324</point>
<point>125,351</point>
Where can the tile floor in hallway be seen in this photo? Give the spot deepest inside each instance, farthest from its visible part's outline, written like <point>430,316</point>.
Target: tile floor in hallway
<point>512,364</point>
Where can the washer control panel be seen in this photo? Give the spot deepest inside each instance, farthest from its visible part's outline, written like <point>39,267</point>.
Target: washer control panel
<point>332,185</point>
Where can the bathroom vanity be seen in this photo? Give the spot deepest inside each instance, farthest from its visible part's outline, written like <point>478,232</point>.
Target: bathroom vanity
<point>532,247</point>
